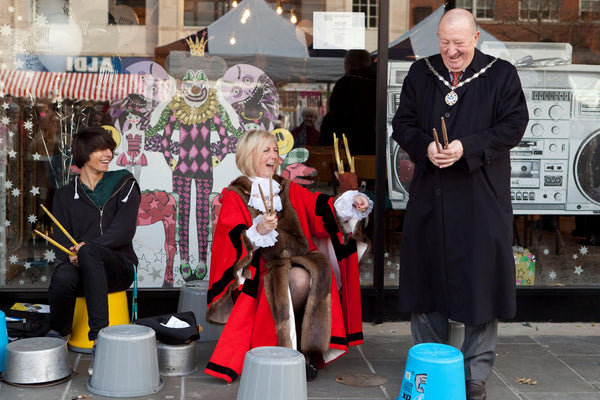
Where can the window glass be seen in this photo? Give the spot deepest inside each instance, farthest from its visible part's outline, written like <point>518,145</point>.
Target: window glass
<point>177,84</point>
<point>555,170</point>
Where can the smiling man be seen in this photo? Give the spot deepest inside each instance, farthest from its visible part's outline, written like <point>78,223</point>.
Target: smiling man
<point>456,257</point>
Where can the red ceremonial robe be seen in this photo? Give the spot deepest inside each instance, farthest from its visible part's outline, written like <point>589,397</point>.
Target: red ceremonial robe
<point>252,311</point>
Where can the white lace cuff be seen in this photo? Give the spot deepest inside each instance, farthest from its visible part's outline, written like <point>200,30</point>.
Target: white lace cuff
<point>344,206</point>
<point>259,240</point>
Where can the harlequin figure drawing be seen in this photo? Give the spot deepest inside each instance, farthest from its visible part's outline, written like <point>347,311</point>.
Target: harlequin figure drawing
<point>183,135</point>
<point>132,143</point>
<point>253,95</point>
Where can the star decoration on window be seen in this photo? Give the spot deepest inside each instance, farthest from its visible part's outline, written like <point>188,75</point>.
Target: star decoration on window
<point>575,256</point>
<point>386,254</point>
<point>16,192</point>
<point>40,20</point>
<point>5,120</point>
<point>11,133</point>
<point>21,282</point>
<point>392,276</point>
<point>32,219</point>
<point>19,64</point>
<point>8,185</point>
<point>5,30</point>
<point>49,256</point>
<point>36,156</point>
<point>11,9</point>
<point>14,259</point>
<point>43,278</point>
<point>12,154</point>
<point>552,275</point>
<point>35,190</point>
<point>583,250</point>
<point>367,275</point>
<point>28,125</point>
<point>5,105</point>
<point>27,265</point>
<point>578,270</point>
<point>6,223</point>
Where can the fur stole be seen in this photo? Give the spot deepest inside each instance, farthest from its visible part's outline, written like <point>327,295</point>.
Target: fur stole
<point>292,249</point>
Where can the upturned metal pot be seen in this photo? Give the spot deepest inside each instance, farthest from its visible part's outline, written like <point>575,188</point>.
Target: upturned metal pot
<point>176,360</point>
<point>37,360</point>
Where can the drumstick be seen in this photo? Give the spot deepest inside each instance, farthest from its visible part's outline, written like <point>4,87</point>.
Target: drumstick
<point>271,194</point>
<point>445,133</point>
<point>54,242</point>
<point>350,158</point>
<point>437,141</point>
<point>60,226</point>
<point>262,196</point>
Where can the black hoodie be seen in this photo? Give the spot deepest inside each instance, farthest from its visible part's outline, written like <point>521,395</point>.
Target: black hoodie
<point>112,226</point>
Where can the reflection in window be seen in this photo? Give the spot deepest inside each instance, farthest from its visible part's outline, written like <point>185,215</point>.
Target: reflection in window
<point>539,10</point>
<point>203,12</point>
<point>369,7</point>
<point>482,9</point>
<point>590,10</point>
<point>127,12</point>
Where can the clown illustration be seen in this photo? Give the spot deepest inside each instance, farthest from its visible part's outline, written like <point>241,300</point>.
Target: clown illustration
<point>181,130</point>
<point>132,141</point>
<point>253,95</point>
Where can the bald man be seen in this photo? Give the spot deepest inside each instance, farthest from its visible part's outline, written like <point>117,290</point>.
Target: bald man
<point>456,258</point>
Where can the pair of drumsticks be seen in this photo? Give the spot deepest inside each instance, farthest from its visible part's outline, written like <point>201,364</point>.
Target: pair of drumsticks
<point>336,151</point>
<point>269,206</point>
<point>54,242</point>
<point>445,133</point>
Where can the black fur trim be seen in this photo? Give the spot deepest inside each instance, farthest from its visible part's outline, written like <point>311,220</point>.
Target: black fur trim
<point>222,370</point>
<point>323,210</point>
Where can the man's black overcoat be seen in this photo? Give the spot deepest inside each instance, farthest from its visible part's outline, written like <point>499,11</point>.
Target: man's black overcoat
<point>456,254</point>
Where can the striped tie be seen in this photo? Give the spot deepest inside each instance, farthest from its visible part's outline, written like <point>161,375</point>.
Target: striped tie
<point>455,77</point>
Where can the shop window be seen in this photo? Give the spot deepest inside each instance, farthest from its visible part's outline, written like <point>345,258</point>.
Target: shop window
<point>539,10</point>
<point>204,12</point>
<point>482,9</point>
<point>369,7</point>
<point>590,10</point>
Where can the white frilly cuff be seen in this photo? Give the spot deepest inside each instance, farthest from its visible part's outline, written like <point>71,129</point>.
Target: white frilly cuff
<point>344,206</point>
<point>259,240</point>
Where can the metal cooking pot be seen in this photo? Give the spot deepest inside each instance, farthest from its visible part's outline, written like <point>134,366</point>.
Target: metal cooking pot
<point>176,360</point>
<point>36,360</point>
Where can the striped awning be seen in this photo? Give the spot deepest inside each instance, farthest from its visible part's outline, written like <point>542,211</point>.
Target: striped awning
<point>81,86</point>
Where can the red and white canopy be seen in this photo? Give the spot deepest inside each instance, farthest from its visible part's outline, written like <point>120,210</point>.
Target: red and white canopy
<point>71,85</point>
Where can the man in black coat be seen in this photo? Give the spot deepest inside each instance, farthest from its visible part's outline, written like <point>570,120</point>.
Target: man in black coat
<point>456,255</point>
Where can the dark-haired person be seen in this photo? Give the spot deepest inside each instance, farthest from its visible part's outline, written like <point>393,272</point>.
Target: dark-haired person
<point>99,209</point>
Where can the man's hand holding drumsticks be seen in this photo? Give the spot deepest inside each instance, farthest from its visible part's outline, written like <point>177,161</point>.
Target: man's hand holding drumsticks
<point>447,155</point>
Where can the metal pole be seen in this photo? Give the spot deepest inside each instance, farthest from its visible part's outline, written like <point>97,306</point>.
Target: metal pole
<point>380,163</point>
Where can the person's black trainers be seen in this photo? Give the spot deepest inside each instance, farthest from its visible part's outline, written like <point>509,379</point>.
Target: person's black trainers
<point>91,366</point>
<point>311,372</point>
<point>54,334</point>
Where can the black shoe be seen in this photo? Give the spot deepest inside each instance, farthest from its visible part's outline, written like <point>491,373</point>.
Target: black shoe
<point>311,372</point>
<point>54,334</point>
<point>476,390</point>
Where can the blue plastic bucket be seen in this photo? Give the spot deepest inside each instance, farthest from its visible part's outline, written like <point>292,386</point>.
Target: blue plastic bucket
<point>433,371</point>
<point>3,341</point>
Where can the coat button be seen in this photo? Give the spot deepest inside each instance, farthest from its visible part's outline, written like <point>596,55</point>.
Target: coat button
<point>447,115</point>
<point>438,192</point>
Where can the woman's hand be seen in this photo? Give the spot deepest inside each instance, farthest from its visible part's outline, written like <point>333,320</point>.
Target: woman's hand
<point>361,202</point>
<point>268,224</point>
<point>74,259</point>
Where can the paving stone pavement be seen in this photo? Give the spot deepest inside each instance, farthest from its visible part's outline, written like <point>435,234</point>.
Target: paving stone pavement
<point>563,360</point>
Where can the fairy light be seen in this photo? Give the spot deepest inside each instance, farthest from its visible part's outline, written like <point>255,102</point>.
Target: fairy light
<point>234,3</point>
<point>279,10</point>
<point>293,18</point>
<point>232,41</point>
<point>245,16</point>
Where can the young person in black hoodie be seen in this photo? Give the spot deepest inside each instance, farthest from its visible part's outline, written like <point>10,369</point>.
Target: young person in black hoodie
<point>99,209</point>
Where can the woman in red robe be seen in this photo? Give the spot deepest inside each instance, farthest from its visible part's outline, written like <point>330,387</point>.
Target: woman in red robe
<point>269,284</point>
